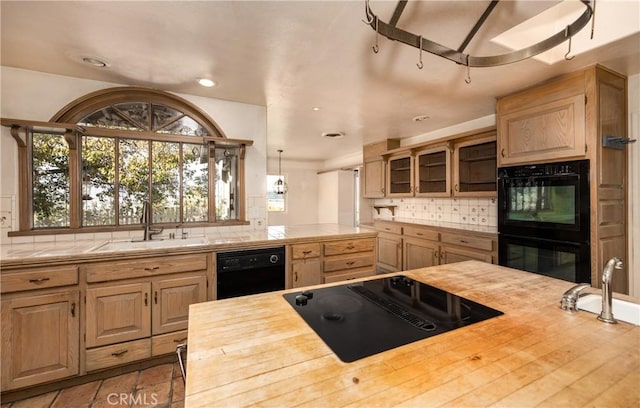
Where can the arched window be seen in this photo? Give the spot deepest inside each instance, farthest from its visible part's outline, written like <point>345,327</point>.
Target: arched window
<point>104,155</point>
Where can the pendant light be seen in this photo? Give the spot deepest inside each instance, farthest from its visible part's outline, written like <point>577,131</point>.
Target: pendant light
<point>280,187</point>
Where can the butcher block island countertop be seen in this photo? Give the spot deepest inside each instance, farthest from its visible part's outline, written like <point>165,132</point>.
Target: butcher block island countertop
<point>257,350</point>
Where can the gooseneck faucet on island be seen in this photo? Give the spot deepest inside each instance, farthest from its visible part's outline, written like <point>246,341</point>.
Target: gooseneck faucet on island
<point>570,297</point>
<point>606,315</point>
<point>145,219</point>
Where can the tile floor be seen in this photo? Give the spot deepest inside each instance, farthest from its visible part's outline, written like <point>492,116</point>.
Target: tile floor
<point>158,387</point>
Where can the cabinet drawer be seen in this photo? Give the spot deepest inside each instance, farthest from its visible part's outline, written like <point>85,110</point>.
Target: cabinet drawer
<point>339,277</point>
<point>419,232</point>
<point>387,227</point>
<point>167,343</point>
<point>301,251</point>
<point>351,262</point>
<point>349,246</point>
<point>118,354</point>
<point>485,244</point>
<point>39,278</point>
<point>106,271</point>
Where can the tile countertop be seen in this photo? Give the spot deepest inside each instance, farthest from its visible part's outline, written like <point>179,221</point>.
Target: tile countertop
<point>257,351</point>
<point>45,252</point>
<point>441,224</point>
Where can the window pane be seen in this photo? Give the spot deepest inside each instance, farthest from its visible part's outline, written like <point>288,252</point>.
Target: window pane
<point>133,174</point>
<point>195,182</point>
<point>165,182</point>
<point>184,126</point>
<point>163,115</point>
<point>50,168</point>
<point>226,183</point>
<point>275,202</point>
<point>137,111</point>
<point>108,118</point>
<point>98,180</point>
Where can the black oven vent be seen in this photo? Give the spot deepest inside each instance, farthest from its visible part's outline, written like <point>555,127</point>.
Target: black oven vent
<point>393,308</point>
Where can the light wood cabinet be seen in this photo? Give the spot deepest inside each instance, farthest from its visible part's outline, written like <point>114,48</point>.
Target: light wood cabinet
<point>547,131</point>
<point>400,175</point>
<point>40,338</point>
<point>131,319</point>
<point>306,272</point>
<point>374,168</point>
<point>413,246</point>
<point>475,167</point>
<point>568,118</point>
<point>433,172</point>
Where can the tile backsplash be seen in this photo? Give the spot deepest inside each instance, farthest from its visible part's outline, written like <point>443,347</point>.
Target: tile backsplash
<point>469,211</point>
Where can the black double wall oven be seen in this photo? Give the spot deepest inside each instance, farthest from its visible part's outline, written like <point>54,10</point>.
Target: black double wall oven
<point>543,219</point>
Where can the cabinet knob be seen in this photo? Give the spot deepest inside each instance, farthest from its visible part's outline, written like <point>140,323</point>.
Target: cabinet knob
<point>502,152</point>
<point>455,187</point>
<point>295,276</point>
<point>155,297</point>
<point>146,299</point>
<point>73,309</point>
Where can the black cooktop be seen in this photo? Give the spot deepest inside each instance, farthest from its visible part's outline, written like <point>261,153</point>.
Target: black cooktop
<point>360,319</point>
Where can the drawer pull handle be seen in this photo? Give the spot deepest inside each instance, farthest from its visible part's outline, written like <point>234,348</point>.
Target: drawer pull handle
<point>119,353</point>
<point>419,233</point>
<point>464,241</point>
<point>182,340</point>
<point>502,152</point>
<point>350,247</point>
<point>73,309</point>
<point>39,280</point>
<point>153,268</point>
<point>306,252</point>
<point>387,229</point>
<point>350,263</point>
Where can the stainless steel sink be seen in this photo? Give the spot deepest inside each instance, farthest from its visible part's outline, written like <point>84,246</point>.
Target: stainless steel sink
<point>622,310</point>
<point>153,244</point>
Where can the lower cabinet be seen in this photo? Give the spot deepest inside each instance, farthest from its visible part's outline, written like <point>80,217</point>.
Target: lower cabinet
<point>331,261</point>
<point>389,252</point>
<point>40,338</point>
<point>420,253</point>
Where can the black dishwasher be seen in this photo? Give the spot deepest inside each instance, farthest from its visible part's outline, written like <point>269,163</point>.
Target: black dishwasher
<point>248,272</point>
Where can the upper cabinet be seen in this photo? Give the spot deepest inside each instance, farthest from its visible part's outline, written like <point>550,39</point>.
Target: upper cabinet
<point>463,165</point>
<point>432,172</point>
<point>400,175</point>
<point>374,174</point>
<point>475,167</point>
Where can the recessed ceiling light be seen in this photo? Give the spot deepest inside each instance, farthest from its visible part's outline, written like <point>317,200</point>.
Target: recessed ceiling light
<point>315,108</point>
<point>420,118</point>
<point>95,61</point>
<point>333,135</point>
<point>206,82</point>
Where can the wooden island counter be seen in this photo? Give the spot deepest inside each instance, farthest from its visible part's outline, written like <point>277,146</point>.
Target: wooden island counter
<point>257,350</point>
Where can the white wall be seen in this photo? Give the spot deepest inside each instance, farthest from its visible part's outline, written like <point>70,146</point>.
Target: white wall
<point>634,185</point>
<point>336,197</point>
<point>301,200</point>
<point>32,95</point>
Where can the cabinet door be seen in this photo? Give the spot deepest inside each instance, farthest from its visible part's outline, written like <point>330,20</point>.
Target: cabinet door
<point>40,338</point>
<point>118,313</point>
<point>390,252</point>
<point>400,176</point>
<point>551,131</point>
<point>171,300</point>
<point>374,172</point>
<point>306,273</point>
<point>475,168</point>
<point>451,255</point>
<point>432,170</point>
<point>419,253</point>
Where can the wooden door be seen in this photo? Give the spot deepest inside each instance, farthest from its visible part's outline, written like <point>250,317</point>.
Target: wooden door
<point>306,273</point>
<point>419,253</point>
<point>40,338</point>
<point>374,182</point>
<point>118,313</point>
<point>389,252</point>
<point>171,300</point>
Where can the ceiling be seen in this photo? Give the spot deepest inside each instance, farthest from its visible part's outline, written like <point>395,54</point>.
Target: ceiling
<point>291,56</point>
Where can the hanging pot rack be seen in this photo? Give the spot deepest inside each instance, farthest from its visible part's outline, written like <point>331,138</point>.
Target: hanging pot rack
<point>392,32</point>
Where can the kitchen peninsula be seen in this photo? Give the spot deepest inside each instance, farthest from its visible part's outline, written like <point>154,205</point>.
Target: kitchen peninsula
<point>257,351</point>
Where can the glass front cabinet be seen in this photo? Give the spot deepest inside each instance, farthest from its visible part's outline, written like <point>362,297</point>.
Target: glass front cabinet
<point>399,176</point>
<point>432,170</point>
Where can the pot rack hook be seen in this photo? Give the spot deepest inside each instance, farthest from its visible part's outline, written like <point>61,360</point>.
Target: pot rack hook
<point>468,78</point>
<point>566,56</point>
<point>420,64</point>
<point>375,47</point>
<point>593,18</point>
<point>368,14</point>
